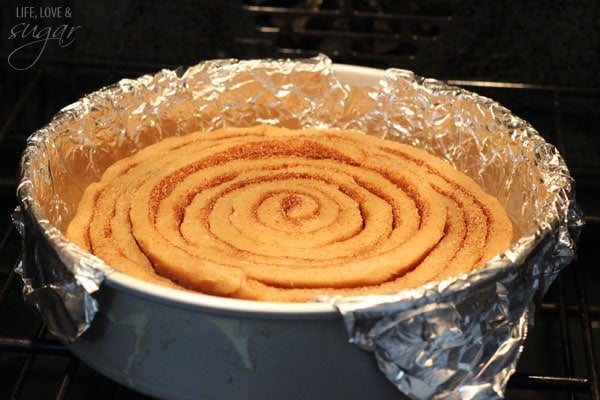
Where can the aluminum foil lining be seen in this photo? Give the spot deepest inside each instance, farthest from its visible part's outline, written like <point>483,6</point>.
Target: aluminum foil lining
<point>459,338</point>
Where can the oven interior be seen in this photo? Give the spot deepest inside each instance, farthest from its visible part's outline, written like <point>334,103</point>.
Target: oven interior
<point>539,59</point>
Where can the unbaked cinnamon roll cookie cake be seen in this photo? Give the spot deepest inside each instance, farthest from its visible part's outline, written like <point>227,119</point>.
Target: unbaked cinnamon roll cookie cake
<point>276,214</point>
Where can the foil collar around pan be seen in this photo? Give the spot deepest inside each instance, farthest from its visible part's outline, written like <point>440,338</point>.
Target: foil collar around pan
<point>459,338</point>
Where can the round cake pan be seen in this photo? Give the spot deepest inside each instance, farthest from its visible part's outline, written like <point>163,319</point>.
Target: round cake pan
<point>175,344</point>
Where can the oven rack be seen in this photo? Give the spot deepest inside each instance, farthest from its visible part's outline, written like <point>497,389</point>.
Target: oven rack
<point>377,33</point>
<point>34,365</point>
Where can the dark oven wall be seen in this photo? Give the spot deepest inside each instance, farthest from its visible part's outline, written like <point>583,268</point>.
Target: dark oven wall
<point>549,42</point>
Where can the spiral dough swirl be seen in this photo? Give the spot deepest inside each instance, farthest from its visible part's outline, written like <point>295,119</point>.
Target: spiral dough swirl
<point>275,214</point>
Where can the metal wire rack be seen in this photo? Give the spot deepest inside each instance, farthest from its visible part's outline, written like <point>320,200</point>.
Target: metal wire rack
<point>560,357</point>
<point>377,33</point>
